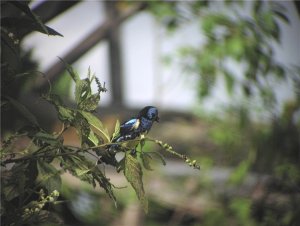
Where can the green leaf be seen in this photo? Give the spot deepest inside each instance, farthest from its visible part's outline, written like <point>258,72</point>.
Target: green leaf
<point>90,103</point>
<point>72,73</point>
<point>85,170</point>
<point>82,90</point>
<point>146,158</point>
<point>48,176</point>
<point>117,130</point>
<point>133,173</point>
<point>81,172</point>
<point>160,156</point>
<point>65,114</point>
<point>97,125</point>
<point>103,182</point>
<point>93,138</point>
<point>47,138</point>
<point>23,110</point>
<point>83,128</point>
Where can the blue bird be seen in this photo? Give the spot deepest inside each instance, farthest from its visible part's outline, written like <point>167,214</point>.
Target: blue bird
<point>139,125</point>
<point>129,130</point>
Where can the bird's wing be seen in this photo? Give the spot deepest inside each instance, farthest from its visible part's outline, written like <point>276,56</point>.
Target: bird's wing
<point>129,126</point>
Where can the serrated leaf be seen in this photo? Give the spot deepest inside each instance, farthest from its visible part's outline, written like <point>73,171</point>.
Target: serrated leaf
<point>48,176</point>
<point>133,173</point>
<point>97,125</point>
<point>23,110</point>
<point>104,183</point>
<point>85,170</point>
<point>82,90</point>
<point>83,128</point>
<point>90,103</point>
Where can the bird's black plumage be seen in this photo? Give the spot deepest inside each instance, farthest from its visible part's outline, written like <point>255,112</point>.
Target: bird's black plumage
<point>141,124</point>
<point>129,130</point>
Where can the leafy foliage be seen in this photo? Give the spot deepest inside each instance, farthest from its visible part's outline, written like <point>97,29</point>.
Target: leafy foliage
<point>237,49</point>
<point>46,157</point>
<point>33,159</point>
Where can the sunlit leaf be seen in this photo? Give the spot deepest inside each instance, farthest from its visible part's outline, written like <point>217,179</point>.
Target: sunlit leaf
<point>81,172</point>
<point>93,138</point>
<point>97,125</point>
<point>117,130</point>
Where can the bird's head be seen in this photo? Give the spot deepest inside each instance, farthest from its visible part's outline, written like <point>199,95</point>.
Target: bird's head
<point>150,113</point>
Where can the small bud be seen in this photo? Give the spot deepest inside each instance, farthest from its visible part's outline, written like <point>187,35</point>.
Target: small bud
<point>55,193</point>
